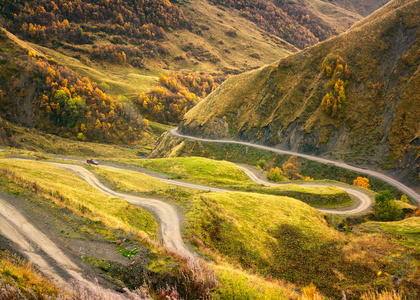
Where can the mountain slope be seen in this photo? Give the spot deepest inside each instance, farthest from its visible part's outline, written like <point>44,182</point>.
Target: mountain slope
<point>354,97</point>
<point>36,91</point>
<point>362,7</point>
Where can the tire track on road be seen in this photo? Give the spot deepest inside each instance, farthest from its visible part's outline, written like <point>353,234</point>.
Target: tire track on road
<point>39,249</point>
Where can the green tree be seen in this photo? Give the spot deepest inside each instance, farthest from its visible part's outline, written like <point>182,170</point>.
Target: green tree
<point>262,163</point>
<point>276,175</point>
<point>386,209</point>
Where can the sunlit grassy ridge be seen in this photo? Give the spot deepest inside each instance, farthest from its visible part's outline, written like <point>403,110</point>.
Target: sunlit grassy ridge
<point>241,225</point>
<point>195,169</point>
<point>130,181</point>
<point>287,239</point>
<point>80,197</point>
<point>34,140</point>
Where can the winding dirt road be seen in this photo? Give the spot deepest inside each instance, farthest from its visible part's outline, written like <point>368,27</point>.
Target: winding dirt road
<point>169,220</point>
<point>405,189</point>
<point>364,201</point>
<point>54,262</point>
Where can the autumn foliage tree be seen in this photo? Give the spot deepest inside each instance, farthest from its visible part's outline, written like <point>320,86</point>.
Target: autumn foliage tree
<point>291,168</point>
<point>362,182</point>
<point>78,22</point>
<point>276,175</point>
<point>337,70</point>
<point>175,95</point>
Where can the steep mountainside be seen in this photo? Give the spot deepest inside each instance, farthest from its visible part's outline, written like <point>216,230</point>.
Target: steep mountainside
<point>355,97</point>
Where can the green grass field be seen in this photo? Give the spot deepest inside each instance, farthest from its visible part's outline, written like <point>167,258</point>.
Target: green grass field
<point>322,197</point>
<point>249,236</point>
<point>408,229</point>
<point>195,169</point>
<point>130,181</point>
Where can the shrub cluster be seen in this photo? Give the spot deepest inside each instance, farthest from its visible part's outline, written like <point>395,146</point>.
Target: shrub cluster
<point>386,209</point>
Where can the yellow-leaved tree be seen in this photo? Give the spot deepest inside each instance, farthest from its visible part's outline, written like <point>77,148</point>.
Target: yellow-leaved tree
<point>362,182</point>
<point>334,67</point>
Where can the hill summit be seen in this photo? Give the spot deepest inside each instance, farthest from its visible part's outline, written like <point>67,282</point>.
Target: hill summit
<point>354,97</point>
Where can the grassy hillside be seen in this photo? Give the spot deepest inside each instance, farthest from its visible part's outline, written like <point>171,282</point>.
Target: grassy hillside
<point>259,233</point>
<point>80,196</point>
<point>18,138</point>
<point>294,243</point>
<point>353,97</point>
<point>71,217</point>
<point>285,239</point>
<point>39,92</point>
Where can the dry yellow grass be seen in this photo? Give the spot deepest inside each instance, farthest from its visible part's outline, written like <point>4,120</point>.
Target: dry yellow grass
<point>385,295</point>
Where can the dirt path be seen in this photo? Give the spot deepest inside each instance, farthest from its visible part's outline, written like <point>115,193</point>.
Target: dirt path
<point>169,220</point>
<point>39,249</point>
<point>364,201</point>
<point>405,189</point>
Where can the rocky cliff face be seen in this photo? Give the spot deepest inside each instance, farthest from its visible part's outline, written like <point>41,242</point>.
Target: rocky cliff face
<point>377,122</point>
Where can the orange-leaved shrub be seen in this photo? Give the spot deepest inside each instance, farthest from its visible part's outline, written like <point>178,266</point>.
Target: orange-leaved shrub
<point>362,182</point>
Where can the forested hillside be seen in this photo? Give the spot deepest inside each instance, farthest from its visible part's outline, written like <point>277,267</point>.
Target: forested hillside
<point>354,97</point>
<point>39,92</point>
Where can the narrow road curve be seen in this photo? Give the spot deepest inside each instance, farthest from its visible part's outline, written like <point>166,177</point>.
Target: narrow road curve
<point>365,202</point>
<point>405,189</point>
<point>169,220</point>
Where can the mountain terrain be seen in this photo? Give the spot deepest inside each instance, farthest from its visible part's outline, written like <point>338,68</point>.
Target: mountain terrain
<point>354,97</point>
<point>104,79</point>
<point>121,47</point>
